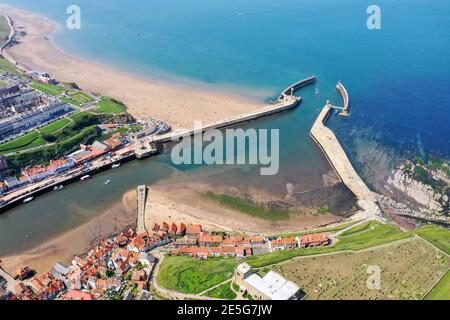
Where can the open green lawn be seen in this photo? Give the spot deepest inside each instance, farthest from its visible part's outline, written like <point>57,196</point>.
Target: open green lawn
<point>55,126</point>
<point>108,106</point>
<point>6,66</point>
<point>50,89</point>
<point>79,115</point>
<point>4,29</point>
<point>80,96</point>
<point>190,275</point>
<point>73,102</point>
<point>247,207</point>
<point>441,290</point>
<point>222,292</point>
<point>438,236</point>
<point>27,141</point>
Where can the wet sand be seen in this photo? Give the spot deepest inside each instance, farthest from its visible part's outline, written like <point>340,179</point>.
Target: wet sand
<point>178,104</point>
<point>185,202</point>
<point>63,247</point>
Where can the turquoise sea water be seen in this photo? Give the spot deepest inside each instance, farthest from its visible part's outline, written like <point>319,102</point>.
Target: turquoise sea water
<point>397,77</point>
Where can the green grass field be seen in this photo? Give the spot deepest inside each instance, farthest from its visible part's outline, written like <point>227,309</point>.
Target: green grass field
<point>4,29</point>
<point>27,141</point>
<point>247,207</point>
<point>80,96</point>
<point>222,292</point>
<point>108,106</point>
<point>50,89</point>
<point>441,290</point>
<point>438,236</point>
<point>55,126</point>
<point>6,66</point>
<point>190,275</point>
<point>73,102</point>
<point>79,115</point>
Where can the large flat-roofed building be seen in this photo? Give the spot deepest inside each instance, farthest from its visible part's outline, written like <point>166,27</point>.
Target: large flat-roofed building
<point>272,286</point>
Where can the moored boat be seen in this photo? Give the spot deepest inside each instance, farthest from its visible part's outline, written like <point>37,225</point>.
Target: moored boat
<point>28,199</point>
<point>83,178</point>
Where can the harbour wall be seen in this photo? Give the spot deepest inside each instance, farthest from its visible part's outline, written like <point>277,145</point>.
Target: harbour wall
<point>294,87</point>
<point>335,154</point>
<point>345,99</point>
<point>285,102</point>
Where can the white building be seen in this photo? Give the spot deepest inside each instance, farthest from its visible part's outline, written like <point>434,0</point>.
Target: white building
<point>272,286</point>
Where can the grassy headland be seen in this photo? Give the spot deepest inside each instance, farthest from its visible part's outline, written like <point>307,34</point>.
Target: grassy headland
<point>190,275</point>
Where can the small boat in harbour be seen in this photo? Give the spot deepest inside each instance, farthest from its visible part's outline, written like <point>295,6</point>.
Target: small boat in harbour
<point>115,165</point>
<point>107,181</point>
<point>60,187</point>
<point>28,199</point>
<point>83,178</point>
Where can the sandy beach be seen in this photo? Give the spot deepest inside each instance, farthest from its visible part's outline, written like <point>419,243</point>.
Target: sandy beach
<point>63,247</point>
<point>178,104</point>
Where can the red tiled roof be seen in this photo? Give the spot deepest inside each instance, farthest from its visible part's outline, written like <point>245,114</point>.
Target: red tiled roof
<point>193,229</point>
<point>210,239</point>
<point>77,295</point>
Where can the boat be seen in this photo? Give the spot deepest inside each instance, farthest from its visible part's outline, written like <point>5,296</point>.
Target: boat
<point>107,181</point>
<point>60,187</point>
<point>115,165</point>
<point>317,90</point>
<point>55,188</point>
<point>28,199</point>
<point>85,177</point>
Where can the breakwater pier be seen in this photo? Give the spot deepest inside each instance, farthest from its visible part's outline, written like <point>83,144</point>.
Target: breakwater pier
<point>289,91</point>
<point>335,154</point>
<point>345,100</point>
<point>141,200</point>
<point>286,101</point>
